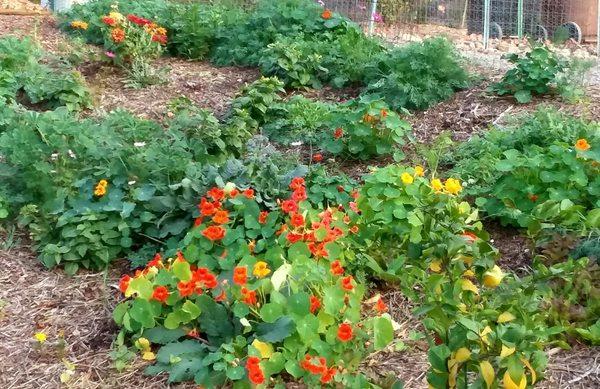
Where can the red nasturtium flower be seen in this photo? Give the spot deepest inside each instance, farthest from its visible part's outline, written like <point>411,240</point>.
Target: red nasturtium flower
<point>214,232</point>
<point>262,217</point>
<point>118,35</point>
<point>297,220</point>
<point>240,275</point>
<point>297,182</point>
<point>210,281</point>
<point>293,237</point>
<point>160,293</point>
<point>186,288</point>
<point>221,297</point>
<point>383,113</point>
<point>221,217</point>
<point>217,194</point>
<point>317,157</point>
<point>249,193</point>
<point>347,283</point>
<point>328,375</point>
<point>207,208</point>
<point>338,133</point>
<point>109,21</point>
<point>156,261</point>
<point>315,304</point>
<point>289,206</point>
<point>198,221</point>
<point>326,14</point>
<point>345,332</point>
<point>336,268</point>
<point>124,283</point>
<point>380,306</point>
<point>299,195</point>
<point>249,296</point>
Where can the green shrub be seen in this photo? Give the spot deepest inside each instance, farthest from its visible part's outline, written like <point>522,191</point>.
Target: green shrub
<point>416,76</point>
<point>541,72</point>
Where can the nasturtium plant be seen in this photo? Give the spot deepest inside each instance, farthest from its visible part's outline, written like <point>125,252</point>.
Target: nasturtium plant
<point>255,294</point>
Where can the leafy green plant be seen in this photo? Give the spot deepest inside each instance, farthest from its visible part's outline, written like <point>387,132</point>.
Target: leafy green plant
<point>416,76</point>
<point>364,128</point>
<point>256,99</point>
<point>540,72</point>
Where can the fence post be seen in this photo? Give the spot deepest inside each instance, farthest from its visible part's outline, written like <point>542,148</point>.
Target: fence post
<point>598,35</point>
<point>372,18</point>
<point>520,26</point>
<point>486,23</point>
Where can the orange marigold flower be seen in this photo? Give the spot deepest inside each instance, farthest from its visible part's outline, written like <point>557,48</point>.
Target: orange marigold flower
<point>221,217</point>
<point>315,304</point>
<point>118,35</point>
<point>347,283</point>
<point>124,283</point>
<point>289,206</point>
<point>336,268</point>
<point>582,145</point>
<point>186,288</point>
<point>214,232</point>
<point>317,157</point>
<point>345,332</point>
<point>240,275</point>
<point>249,193</point>
<point>380,306</point>
<point>160,293</point>
<point>338,133</point>
<point>297,220</point>
<point>297,182</point>
<point>262,217</point>
<point>217,194</point>
<point>326,14</point>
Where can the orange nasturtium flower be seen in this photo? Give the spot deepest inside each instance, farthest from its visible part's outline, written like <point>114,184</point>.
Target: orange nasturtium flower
<point>160,293</point>
<point>221,217</point>
<point>118,35</point>
<point>326,14</point>
<point>240,275</point>
<point>100,188</point>
<point>345,332</point>
<point>582,145</point>
<point>214,233</point>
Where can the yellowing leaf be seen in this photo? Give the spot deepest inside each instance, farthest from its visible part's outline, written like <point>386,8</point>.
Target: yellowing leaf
<point>435,266</point>
<point>533,375</point>
<point>148,356</point>
<point>280,276</point>
<point>265,349</point>
<point>453,372</point>
<point>462,307</point>
<point>469,273</point>
<point>492,278</point>
<point>510,384</point>
<point>470,286</point>
<point>487,372</point>
<point>462,354</point>
<point>487,330</point>
<point>143,344</point>
<point>506,351</point>
<point>66,375</point>
<point>506,317</point>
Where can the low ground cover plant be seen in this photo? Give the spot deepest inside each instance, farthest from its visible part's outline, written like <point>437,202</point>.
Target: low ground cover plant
<point>540,72</point>
<point>254,295</point>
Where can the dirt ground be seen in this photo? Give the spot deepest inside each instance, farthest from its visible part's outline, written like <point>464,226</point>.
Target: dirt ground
<point>75,312</point>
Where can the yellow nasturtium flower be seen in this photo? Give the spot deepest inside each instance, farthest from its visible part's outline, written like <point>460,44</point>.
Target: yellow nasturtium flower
<point>406,178</point>
<point>419,171</point>
<point>492,278</point>
<point>437,185</point>
<point>453,186</point>
<point>261,270</point>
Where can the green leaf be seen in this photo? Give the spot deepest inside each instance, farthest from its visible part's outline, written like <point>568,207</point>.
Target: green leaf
<point>141,311</point>
<point>270,312</point>
<point>277,331</point>
<point>383,332</point>
<point>523,96</point>
<point>191,309</point>
<point>161,335</point>
<point>182,271</point>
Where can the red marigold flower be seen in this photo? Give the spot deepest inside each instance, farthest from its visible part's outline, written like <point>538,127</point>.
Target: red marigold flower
<point>186,288</point>
<point>297,182</point>
<point>217,194</point>
<point>118,35</point>
<point>345,332</point>
<point>336,268</point>
<point>347,283</point>
<point>249,193</point>
<point>109,21</point>
<point>289,206</point>
<point>299,195</point>
<point>162,39</point>
<point>317,157</point>
<point>256,376</point>
<point>262,218</point>
<point>221,217</point>
<point>338,133</point>
<point>297,220</point>
<point>380,306</point>
<point>240,275</point>
<point>293,237</point>
<point>124,283</point>
<point>315,304</point>
<point>326,14</point>
<point>214,232</point>
<point>160,293</point>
